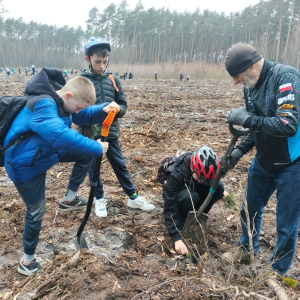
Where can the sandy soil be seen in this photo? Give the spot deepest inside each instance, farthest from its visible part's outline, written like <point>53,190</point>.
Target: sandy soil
<point>130,254</point>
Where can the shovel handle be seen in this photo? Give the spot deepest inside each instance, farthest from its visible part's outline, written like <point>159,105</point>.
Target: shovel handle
<point>236,133</point>
<point>107,122</point>
<point>104,133</point>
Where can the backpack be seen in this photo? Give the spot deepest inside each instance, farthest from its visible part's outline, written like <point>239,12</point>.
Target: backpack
<point>168,161</point>
<point>10,106</point>
<point>161,176</point>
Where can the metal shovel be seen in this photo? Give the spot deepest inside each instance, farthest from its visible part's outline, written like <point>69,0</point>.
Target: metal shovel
<point>80,239</point>
<point>191,228</point>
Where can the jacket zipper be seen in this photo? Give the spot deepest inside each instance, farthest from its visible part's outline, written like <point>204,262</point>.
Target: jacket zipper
<point>101,86</point>
<point>35,156</point>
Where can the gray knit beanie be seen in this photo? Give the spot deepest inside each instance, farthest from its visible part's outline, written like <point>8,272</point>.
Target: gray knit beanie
<point>240,57</point>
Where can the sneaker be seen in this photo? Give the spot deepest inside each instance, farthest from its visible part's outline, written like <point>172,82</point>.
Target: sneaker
<point>100,208</point>
<point>76,203</point>
<point>28,269</point>
<point>238,256</point>
<point>141,203</point>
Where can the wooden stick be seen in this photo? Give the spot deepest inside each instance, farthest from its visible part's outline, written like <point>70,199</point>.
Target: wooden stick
<point>279,291</point>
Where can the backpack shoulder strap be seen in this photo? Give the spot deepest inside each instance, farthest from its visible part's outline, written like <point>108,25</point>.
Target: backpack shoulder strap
<point>20,139</point>
<point>112,78</point>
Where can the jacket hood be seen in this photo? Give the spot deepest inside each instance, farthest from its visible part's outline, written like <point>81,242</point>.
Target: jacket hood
<point>47,81</point>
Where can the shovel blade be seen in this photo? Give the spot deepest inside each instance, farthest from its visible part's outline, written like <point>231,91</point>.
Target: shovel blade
<point>80,242</point>
<point>192,229</point>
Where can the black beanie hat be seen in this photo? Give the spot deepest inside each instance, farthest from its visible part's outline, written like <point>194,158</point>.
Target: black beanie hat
<point>240,57</point>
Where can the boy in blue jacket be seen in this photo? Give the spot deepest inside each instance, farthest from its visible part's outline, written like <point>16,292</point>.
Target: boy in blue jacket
<point>49,113</point>
<point>108,89</point>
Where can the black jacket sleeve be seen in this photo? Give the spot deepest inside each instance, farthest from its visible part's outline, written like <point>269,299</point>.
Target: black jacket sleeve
<point>286,119</point>
<point>171,189</point>
<point>247,143</point>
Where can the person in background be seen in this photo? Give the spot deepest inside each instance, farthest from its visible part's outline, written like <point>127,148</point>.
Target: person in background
<point>65,74</point>
<point>32,70</point>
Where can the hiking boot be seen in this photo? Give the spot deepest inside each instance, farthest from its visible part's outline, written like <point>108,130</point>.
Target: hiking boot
<point>28,269</point>
<point>100,208</point>
<point>238,256</point>
<point>140,203</point>
<point>76,203</point>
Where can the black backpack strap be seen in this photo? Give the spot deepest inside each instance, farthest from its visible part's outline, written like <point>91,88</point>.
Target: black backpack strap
<point>275,72</point>
<point>20,139</point>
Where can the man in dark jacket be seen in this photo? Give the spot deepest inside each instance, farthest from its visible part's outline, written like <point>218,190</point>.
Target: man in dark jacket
<point>190,176</point>
<point>272,93</point>
<point>108,89</point>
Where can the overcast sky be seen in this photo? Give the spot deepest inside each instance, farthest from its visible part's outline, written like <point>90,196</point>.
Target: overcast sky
<point>75,12</point>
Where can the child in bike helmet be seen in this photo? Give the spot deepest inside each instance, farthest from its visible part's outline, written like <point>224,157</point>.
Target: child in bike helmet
<point>190,176</point>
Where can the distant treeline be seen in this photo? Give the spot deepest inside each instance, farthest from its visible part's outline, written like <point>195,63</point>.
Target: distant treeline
<point>157,35</point>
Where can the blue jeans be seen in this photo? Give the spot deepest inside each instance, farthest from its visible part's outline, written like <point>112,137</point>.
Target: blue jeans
<point>260,186</point>
<point>115,157</point>
<point>33,194</point>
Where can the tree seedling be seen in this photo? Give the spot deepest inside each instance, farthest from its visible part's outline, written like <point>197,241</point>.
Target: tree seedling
<point>229,201</point>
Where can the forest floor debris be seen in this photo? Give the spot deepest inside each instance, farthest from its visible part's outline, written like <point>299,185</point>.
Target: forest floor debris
<point>130,254</point>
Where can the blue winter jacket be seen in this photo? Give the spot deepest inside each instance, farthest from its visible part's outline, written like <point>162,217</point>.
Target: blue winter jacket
<point>44,114</point>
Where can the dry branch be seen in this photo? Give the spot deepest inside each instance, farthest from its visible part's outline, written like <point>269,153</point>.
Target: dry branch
<point>160,284</point>
<point>279,291</point>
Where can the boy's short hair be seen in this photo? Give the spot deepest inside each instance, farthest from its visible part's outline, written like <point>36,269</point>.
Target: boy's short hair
<point>98,50</point>
<point>82,89</point>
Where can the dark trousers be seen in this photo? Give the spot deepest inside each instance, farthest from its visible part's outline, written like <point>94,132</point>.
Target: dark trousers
<point>116,159</point>
<point>33,195</point>
<point>198,195</point>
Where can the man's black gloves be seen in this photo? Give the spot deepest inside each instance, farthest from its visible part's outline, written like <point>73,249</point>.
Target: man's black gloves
<point>228,163</point>
<point>238,116</point>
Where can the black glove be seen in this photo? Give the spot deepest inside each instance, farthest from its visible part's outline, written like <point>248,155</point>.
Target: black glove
<point>228,163</point>
<point>238,116</point>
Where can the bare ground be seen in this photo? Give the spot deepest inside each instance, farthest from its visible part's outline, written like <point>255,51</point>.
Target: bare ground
<point>130,254</point>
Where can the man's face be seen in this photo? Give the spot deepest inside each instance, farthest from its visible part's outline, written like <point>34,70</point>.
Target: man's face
<point>98,63</point>
<point>247,78</point>
<point>73,105</point>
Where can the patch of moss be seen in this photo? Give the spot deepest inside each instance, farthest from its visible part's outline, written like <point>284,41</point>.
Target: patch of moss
<point>289,282</point>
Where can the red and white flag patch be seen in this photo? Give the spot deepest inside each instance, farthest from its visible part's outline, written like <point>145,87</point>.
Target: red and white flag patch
<point>284,121</point>
<point>285,87</point>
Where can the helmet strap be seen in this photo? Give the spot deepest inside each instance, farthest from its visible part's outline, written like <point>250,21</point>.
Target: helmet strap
<point>90,65</point>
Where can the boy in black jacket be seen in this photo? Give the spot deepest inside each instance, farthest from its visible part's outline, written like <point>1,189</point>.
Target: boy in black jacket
<point>108,89</point>
<point>194,171</point>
